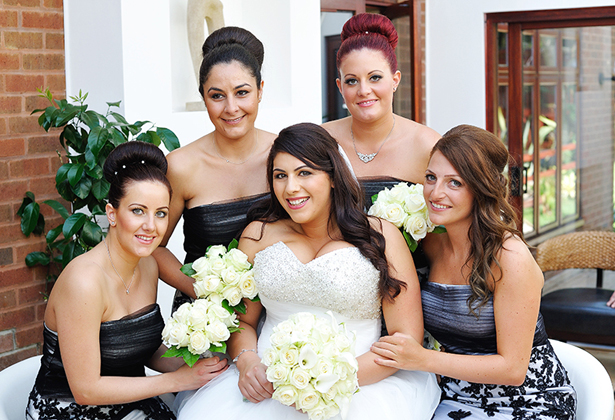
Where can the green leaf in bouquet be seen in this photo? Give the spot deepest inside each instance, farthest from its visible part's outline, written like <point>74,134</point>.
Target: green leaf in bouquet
<point>412,244</point>
<point>234,329</point>
<point>188,270</point>
<point>439,229</point>
<point>182,352</point>
<point>256,299</point>
<point>218,349</point>
<point>228,307</point>
<point>374,198</point>
<point>173,351</point>
<point>240,307</point>
<point>234,243</point>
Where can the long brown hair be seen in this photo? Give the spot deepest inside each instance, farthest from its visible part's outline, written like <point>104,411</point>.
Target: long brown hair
<point>480,158</point>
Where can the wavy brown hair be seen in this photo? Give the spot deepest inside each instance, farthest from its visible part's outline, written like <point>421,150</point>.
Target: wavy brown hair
<point>480,158</point>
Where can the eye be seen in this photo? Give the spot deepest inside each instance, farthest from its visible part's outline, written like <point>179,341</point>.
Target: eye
<point>430,178</point>
<point>375,78</point>
<point>279,175</point>
<point>161,214</point>
<point>304,173</point>
<point>137,211</point>
<point>455,183</point>
<point>242,92</point>
<point>216,96</point>
<point>351,81</point>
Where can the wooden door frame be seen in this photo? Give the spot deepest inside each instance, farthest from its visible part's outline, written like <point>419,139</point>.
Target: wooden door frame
<point>392,9</point>
<point>517,22</point>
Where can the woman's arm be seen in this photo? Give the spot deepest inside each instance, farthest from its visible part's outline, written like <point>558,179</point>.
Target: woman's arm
<point>169,265</point>
<point>79,306</point>
<point>404,314</point>
<point>516,302</point>
<point>242,345</point>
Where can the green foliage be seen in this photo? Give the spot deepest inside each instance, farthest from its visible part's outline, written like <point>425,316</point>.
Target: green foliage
<point>87,138</point>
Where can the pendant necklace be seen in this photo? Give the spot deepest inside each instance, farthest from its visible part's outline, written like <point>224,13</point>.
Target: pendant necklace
<point>118,274</point>
<point>366,158</point>
<point>230,161</point>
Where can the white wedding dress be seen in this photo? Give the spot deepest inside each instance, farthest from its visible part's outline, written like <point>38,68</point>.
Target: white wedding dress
<point>342,281</point>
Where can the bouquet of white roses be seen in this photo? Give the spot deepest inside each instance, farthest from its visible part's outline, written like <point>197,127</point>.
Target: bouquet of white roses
<point>197,327</point>
<point>224,275</point>
<point>404,206</point>
<point>311,364</point>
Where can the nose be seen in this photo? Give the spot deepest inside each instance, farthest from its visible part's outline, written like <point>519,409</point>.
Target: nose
<point>438,190</point>
<point>364,89</point>
<point>231,105</point>
<point>292,185</point>
<point>148,223</point>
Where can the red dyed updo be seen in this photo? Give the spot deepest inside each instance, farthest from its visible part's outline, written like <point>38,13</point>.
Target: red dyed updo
<point>369,30</point>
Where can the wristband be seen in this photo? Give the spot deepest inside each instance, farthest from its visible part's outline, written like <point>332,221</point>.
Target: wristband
<point>242,352</point>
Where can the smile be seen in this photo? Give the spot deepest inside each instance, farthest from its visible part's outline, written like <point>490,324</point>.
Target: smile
<point>145,238</point>
<point>297,203</point>
<point>438,206</point>
<point>367,103</point>
<point>234,121</point>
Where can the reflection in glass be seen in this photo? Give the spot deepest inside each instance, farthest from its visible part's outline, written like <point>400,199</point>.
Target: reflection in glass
<point>569,52</point>
<point>547,140</point>
<point>502,47</point>
<point>503,113</point>
<point>528,49</point>
<point>569,150</point>
<point>528,160</point>
<point>548,50</point>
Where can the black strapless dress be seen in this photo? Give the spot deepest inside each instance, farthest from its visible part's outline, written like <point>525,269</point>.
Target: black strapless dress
<point>125,346</point>
<point>213,224</point>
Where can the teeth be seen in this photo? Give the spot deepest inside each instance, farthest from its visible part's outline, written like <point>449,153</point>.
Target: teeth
<point>235,120</point>
<point>438,206</point>
<point>145,238</point>
<point>297,202</point>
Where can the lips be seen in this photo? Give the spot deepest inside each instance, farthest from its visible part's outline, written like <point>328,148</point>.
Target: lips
<point>146,239</point>
<point>438,206</point>
<point>296,203</point>
<point>233,121</point>
<point>367,103</point>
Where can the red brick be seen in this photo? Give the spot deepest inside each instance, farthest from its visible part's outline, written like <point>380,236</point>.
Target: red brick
<point>31,294</point>
<point>6,258</point>
<point>2,126</point>
<point>10,104</point>
<point>13,190</point>
<point>25,168</point>
<point>9,61</point>
<point>23,3</point>
<point>21,251</point>
<point>40,309</point>
<point>44,144</point>
<point>35,102</point>
<point>43,61</point>
<point>9,19</point>
<point>8,234</point>
<point>27,336</point>
<point>8,299</point>
<point>17,317</point>
<point>53,4</point>
<point>23,40</point>
<point>24,125</point>
<point>4,171</point>
<point>54,41</point>
<point>42,186</point>
<point>13,276</point>
<point>12,147</point>
<point>6,213</point>
<point>19,83</point>
<point>7,342</point>
<point>44,20</point>
<point>57,84</point>
<point>13,357</point>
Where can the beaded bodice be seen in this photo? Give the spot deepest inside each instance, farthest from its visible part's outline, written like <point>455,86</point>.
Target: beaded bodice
<point>343,280</point>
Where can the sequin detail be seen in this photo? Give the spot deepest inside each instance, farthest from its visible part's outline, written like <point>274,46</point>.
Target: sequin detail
<point>355,296</point>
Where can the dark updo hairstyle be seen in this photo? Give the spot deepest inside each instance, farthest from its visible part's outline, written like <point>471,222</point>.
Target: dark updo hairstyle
<point>472,150</point>
<point>372,31</point>
<point>314,146</point>
<point>134,161</point>
<point>232,44</point>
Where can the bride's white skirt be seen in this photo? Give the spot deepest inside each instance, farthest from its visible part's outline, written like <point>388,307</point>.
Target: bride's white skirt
<point>406,395</point>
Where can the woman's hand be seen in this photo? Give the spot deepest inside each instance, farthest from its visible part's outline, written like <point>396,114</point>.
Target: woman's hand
<point>611,301</point>
<point>203,371</point>
<point>400,351</point>
<point>253,382</point>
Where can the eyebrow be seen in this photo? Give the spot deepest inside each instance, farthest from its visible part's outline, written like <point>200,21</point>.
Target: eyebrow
<point>145,207</point>
<point>295,170</point>
<point>235,88</point>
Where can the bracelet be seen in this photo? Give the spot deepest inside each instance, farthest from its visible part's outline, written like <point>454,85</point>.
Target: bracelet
<point>242,352</point>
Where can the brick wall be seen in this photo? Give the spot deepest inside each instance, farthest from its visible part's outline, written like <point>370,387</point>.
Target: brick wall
<point>31,56</point>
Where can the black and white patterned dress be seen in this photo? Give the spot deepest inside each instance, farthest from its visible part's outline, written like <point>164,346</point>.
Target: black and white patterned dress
<point>546,392</point>
<point>125,346</point>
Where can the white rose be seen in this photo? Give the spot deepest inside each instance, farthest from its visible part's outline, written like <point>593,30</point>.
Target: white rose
<point>414,203</point>
<point>285,326</point>
<point>201,266</point>
<point>216,251</point>
<point>212,283</point>
<point>181,314</point>
<point>308,398</point>
<point>215,298</point>
<point>399,192</point>
<point>217,332</point>
<point>322,412</point>
<point>323,330</point>
<point>416,226</point>
<point>285,394</point>
<point>198,316</point>
<point>198,343</point>
<point>378,209</point>
<point>233,295</point>
<point>178,335</point>
<point>200,289</point>
<point>217,312</point>
<point>323,366</point>
<point>384,196</point>
<point>289,355</point>
<point>331,393</point>
<point>280,339</point>
<point>230,276</point>
<point>395,214</point>
<point>270,356</point>
<point>248,285</point>
<point>277,373</point>
<point>237,259</point>
<point>216,265</point>
<point>342,342</point>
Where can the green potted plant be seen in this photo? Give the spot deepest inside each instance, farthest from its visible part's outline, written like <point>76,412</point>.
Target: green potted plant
<point>87,138</point>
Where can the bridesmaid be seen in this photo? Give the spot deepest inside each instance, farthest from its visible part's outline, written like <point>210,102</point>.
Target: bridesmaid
<point>383,148</point>
<point>218,177</point>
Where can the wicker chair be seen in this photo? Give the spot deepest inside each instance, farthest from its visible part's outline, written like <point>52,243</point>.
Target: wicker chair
<point>579,314</point>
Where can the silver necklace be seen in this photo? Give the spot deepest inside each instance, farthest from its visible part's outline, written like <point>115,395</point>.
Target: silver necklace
<point>230,161</point>
<point>366,158</point>
<point>118,274</point>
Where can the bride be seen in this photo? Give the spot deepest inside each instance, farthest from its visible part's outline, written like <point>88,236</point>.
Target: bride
<point>315,250</point>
